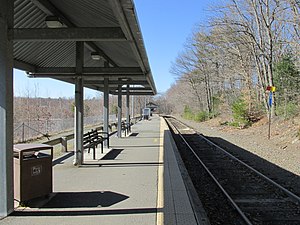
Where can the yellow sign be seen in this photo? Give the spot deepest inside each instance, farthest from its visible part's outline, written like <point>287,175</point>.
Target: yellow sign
<point>273,88</point>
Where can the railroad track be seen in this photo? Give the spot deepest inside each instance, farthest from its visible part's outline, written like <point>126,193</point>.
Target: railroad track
<point>231,191</point>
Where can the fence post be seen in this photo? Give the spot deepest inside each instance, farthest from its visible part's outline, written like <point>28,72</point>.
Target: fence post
<point>64,144</point>
<point>23,132</point>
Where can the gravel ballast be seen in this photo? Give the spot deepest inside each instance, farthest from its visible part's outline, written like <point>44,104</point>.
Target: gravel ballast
<point>278,158</point>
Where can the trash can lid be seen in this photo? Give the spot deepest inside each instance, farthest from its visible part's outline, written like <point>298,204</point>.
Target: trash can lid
<point>31,147</point>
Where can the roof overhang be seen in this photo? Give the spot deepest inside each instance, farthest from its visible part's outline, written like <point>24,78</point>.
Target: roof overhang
<point>108,28</point>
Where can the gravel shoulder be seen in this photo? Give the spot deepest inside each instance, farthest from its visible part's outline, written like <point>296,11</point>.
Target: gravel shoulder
<point>278,157</point>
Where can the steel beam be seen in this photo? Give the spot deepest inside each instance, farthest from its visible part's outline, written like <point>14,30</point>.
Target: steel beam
<point>88,78</point>
<point>6,110</point>
<point>137,89</point>
<point>68,34</point>
<point>18,64</point>
<point>118,82</point>
<point>79,57</point>
<point>63,71</point>
<point>132,93</point>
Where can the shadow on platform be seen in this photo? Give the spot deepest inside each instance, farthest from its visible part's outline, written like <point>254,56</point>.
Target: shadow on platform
<point>85,199</point>
<point>112,154</point>
<point>133,134</point>
<point>119,164</point>
<point>62,158</point>
<point>131,164</point>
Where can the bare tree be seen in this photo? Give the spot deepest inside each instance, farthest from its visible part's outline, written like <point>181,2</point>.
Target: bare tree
<point>236,54</point>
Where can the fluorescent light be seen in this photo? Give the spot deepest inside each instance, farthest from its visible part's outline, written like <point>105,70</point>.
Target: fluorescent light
<point>53,22</point>
<point>96,56</point>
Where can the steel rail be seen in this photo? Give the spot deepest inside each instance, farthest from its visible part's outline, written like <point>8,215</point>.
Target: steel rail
<point>245,218</point>
<point>295,197</point>
<point>291,194</point>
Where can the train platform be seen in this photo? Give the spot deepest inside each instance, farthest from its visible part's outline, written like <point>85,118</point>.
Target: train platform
<point>138,181</point>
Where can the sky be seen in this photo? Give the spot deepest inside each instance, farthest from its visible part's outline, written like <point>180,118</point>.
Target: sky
<point>165,26</point>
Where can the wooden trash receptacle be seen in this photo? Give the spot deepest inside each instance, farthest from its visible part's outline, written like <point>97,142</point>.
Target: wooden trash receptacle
<point>32,171</point>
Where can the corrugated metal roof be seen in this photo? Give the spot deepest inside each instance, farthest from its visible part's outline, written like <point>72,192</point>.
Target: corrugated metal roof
<point>88,13</point>
<point>37,52</point>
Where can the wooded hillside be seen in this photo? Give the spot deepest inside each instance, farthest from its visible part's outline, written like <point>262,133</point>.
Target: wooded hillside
<point>228,65</point>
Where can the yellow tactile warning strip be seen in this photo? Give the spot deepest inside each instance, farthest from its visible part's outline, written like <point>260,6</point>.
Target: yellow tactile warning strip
<point>160,176</point>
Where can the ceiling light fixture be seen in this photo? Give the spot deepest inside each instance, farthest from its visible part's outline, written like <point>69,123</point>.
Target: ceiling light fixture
<point>96,56</point>
<point>53,22</point>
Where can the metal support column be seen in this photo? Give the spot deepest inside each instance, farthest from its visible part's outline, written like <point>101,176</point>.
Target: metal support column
<point>127,106</point>
<point>119,111</point>
<point>78,120</point>
<point>6,109</point>
<point>132,106</point>
<point>106,109</point>
<point>78,126</point>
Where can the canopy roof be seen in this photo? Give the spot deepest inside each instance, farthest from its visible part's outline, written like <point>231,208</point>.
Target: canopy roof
<point>108,30</point>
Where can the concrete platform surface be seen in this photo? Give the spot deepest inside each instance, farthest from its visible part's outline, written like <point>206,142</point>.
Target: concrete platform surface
<point>137,182</point>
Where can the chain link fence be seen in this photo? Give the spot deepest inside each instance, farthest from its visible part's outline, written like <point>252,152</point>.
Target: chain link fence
<point>29,130</point>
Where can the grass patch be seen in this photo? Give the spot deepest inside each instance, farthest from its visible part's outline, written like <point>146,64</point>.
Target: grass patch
<point>240,114</point>
<point>287,111</point>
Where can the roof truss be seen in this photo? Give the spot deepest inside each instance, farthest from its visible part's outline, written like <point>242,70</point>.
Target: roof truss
<point>117,35</point>
<point>48,8</point>
<point>68,34</point>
